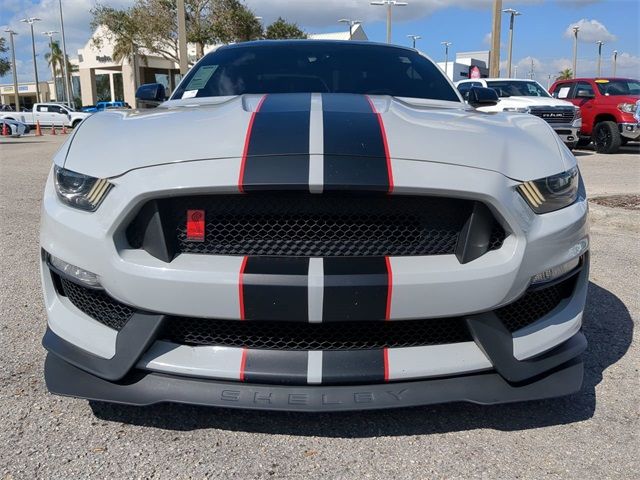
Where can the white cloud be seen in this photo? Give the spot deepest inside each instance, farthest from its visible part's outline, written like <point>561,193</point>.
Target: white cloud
<point>590,31</point>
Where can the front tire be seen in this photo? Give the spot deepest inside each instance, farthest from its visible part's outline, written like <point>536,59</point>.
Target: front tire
<point>606,137</point>
<point>583,142</point>
<point>75,124</point>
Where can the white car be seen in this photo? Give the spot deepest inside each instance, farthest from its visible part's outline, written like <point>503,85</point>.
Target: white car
<point>528,96</point>
<point>302,226</point>
<point>48,115</point>
<point>16,128</point>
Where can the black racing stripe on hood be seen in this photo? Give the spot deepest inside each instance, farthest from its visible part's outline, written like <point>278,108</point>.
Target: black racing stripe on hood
<point>275,288</point>
<point>355,289</point>
<point>277,155</point>
<point>355,154</point>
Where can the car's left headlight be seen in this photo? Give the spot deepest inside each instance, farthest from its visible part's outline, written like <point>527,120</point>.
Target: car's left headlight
<point>551,193</point>
<point>627,107</point>
<point>78,190</point>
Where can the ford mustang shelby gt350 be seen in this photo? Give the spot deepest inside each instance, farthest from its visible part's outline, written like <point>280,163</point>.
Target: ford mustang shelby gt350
<point>314,225</point>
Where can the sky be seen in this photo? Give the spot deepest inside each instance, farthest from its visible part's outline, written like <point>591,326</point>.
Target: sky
<point>542,33</point>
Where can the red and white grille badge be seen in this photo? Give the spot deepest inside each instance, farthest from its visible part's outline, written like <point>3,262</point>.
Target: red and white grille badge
<point>195,225</point>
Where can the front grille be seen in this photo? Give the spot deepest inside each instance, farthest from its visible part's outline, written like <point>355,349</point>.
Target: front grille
<point>315,336</point>
<point>554,114</point>
<point>96,304</point>
<point>304,225</point>
<point>535,304</point>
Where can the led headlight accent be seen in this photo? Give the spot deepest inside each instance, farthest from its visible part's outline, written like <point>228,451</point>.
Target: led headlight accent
<point>80,191</point>
<point>551,193</point>
<point>81,276</point>
<point>555,272</point>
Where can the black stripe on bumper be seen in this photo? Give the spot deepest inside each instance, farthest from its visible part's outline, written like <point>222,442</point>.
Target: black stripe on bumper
<point>275,367</point>
<point>363,366</point>
<point>355,289</point>
<point>275,288</point>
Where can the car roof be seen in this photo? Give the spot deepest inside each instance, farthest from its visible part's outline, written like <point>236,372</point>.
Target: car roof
<point>288,43</point>
<point>593,79</point>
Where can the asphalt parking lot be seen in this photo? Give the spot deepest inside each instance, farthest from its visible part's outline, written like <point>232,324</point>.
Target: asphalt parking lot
<point>592,434</point>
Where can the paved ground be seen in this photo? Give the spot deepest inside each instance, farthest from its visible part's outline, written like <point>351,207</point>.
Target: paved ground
<point>593,434</point>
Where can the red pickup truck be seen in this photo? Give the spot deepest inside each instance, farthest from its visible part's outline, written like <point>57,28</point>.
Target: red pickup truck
<point>610,109</point>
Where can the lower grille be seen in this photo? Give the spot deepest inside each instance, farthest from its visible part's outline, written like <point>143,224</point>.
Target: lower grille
<point>535,304</point>
<point>96,304</point>
<point>316,336</point>
<point>305,225</point>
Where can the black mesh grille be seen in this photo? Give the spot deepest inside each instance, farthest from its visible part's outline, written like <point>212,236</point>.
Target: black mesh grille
<point>310,336</point>
<point>534,304</point>
<point>318,225</point>
<point>554,114</point>
<point>97,304</point>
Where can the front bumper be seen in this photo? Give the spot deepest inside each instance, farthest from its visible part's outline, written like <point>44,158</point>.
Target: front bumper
<point>90,359</point>
<point>567,133</point>
<point>630,130</point>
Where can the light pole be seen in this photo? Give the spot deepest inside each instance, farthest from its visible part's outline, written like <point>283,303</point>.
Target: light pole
<point>494,57</point>
<point>615,62</point>
<point>414,38</point>
<point>31,21</point>
<point>50,34</point>
<point>16,96</point>
<point>576,29</point>
<point>514,14</point>
<point>389,4</point>
<point>68,87</point>
<point>351,23</point>
<point>446,57</point>
<point>599,43</point>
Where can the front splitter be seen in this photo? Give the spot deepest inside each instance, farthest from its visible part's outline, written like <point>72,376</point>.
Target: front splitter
<point>145,388</point>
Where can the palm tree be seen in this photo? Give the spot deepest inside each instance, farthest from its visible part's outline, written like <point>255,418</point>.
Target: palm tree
<point>54,59</point>
<point>566,74</point>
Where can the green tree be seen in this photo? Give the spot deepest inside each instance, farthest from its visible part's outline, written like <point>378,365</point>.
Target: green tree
<point>54,59</point>
<point>281,29</point>
<point>233,21</point>
<point>566,74</point>
<point>5,64</point>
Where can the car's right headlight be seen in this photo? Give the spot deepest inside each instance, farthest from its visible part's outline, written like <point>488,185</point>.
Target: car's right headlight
<point>78,190</point>
<point>551,193</point>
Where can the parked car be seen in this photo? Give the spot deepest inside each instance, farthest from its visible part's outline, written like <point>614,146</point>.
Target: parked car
<point>48,114</point>
<point>528,96</point>
<point>15,128</point>
<point>610,109</point>
<point>101,106</point>
<point>327,226</point>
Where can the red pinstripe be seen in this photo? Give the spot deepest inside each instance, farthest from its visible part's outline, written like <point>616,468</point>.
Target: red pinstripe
<point>389,288</point>
<point>383,132</point>
<point>247,139</point>
<point>243,363</point>
<point>241,287</point>
<point>385,351</point>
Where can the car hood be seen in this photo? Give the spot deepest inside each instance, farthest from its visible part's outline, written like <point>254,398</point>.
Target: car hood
<point>533,101</point>
<point>111,143</point>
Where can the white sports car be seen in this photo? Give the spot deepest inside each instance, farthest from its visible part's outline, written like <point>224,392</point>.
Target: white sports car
<point>314,225</point>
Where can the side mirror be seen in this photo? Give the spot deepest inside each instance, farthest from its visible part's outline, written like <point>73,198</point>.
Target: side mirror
<point>584,94</point>
<point>482,97</point>
<point>151,94</point>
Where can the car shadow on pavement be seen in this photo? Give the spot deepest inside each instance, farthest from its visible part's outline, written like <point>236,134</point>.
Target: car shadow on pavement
<point>607,325</point>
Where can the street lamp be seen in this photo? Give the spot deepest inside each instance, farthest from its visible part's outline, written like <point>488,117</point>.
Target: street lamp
<point>576,29</point>
<point>50,34</point>
<point>389,4</point>
<point>615,62</point>
<point>352,23</point>
<point>446,57</point>
<point>16,96</point>
<point>599,43</point>
<point>67,81</point>
<point>31,21</point>
<point>414,38</point>
<point>514,14</point>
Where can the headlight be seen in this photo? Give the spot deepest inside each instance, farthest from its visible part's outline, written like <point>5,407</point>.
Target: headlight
<point>551,193</point>
<point>627,107</point>
<point>516,109</point>
<point>80,191</point>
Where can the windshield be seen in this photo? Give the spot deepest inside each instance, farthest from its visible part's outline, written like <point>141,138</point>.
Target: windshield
<point>507,88</point>
<point>618,87</point>
<point>315,66</point>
